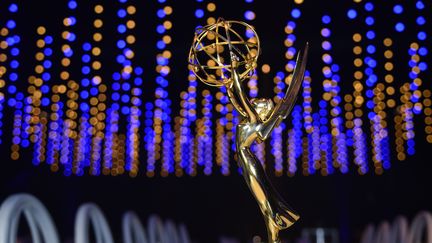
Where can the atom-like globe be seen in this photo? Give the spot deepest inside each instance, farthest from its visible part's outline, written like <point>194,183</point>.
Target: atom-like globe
<point>209,56</point>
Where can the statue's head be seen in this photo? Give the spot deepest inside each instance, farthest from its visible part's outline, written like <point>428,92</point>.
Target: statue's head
<point>263,107</point>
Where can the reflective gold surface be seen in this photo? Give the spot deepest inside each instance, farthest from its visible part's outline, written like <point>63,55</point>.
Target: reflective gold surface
<point>259,116</point>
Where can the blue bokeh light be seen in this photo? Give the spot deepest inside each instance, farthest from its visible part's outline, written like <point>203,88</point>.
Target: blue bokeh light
<point>398,9</point>
<point>399,27</point>
<point>13,8</point>
<point>199,13</point>
<point>352,14</point>
<point>295,13</point>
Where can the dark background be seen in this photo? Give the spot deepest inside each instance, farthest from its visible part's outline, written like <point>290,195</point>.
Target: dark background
<point>215,205</point>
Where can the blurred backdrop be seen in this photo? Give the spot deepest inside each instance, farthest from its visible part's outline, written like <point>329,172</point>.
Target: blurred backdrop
<point>97,104</point>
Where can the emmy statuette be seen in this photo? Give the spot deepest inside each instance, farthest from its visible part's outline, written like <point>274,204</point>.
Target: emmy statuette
<point>220,56</point>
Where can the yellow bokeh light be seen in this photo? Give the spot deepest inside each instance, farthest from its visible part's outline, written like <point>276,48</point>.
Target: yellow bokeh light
<point>168,10</point>
<point>265,68</point>
<point>388,42</point>
<point>97,37</point>
<point>357,50</point>
<point>41,30</point>
<point>211,7</point>
<point>167,24</point>
<point>98,9</point>
<point>65,62</point>
<point>167,39</point>
<point>358,62</point>
<point>64,75</point>
<point>96,51</point>
<point>388,66</point>
<point>388,54</point>
<point>414,46</point>
<point>40,43</point>
<point>98,23</point>
<point>389,78</point>
<point>130,24</point>
<point>357,37</point>
<point>4,31</point>
<point>211,20</point>
<point>131,10</point>
<point>96,65</point>
<point>130,39</point>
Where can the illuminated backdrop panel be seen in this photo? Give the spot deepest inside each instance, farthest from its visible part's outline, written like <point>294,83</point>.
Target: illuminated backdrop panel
<point>78,94</point>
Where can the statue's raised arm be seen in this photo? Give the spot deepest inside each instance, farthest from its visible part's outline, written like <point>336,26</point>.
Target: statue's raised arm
<point>285,105</point>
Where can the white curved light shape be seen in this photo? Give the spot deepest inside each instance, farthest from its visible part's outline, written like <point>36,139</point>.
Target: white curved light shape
<point>423,221</point>
<point>156,231</point>
<point>171,232</point>
<point>184,234</point>
<point>133,230</point>
<point>91,212</point>
<point>368,234</point>
<point>35,213</point>
<point>399,230</point>
<point>383,233</point>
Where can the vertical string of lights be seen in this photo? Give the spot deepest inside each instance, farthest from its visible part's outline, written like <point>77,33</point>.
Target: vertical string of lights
<point>276,140</point>
<point>224,135</point>
<point>114,141</point>
<point>325,138</point>
<point>427,102</point>
<point>185,162</point>
<point>69,136</point>
<point>9,45</point>
<point>390,103</point>
<point>403,120</point>
<point>188,114</point>
<point>390,94</point>
<point>294,143</point>
<point>111,160</point>
<point>222,139</point>
<point>249,16</point>
<point>129,72</point>
<point>3,71</point>
<point>418,67</point>
<point>354,121</point>
<point>162,113</point>
<point>338,139</point>
<point>423,52</point>
<point>373,92</point>
<point>188,144</point>
<point>56,121</point>
<point>82,159</point>
<point>38,89</point>
<point>97,94</point>
<point>27,109</point>
<point>297,144</point>
<point>348,98</point>
<point>203,136</point>
<point>36,82</point>
<point>148,139</point>
<point>399,131</point>
<point>208,137</point>
<point>185,158</point>
<point>309,156</point>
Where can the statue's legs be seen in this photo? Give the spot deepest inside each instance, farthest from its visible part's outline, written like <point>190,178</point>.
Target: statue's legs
<point>277,213</point>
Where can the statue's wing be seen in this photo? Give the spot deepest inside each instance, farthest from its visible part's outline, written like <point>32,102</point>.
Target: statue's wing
<point>285,105</point>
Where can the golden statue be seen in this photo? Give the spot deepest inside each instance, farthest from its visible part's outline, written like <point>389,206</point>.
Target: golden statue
<point>213,45</point>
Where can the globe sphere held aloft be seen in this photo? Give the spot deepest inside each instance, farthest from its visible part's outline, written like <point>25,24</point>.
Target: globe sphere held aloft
<point>210,54</point>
